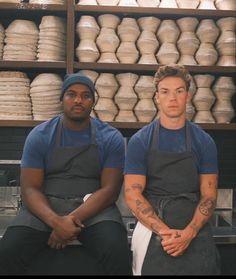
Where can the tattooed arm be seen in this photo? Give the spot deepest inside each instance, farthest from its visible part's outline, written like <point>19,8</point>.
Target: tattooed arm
<point>141,208</point>
<point>179,240</point>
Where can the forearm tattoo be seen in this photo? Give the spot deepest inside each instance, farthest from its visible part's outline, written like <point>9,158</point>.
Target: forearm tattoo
<point>207,207</point>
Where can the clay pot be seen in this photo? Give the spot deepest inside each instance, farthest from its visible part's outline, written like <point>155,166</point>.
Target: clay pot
<point>206,54</point>
<point>130,3</point>
<point>203,117</point>
<point>87,28</point>
<point>203,99</point>
<point>108,2</point>
<point>125,116</point>
<point>87,51</point>
<point>148,3</point>
<point>106,109</point>
<point>149,23</point>
<point>125,98</point>
<point>167,54</point>
<point>207,31</point>
<point>225,5</point>
<point>128,30</point>
<point>147,42</point>
<point>207,4</point>
<point>186,4</point>
<point>147,59</point>
<point>145,87</point>
<point>108,21</point>
<point>145,110</point>
<point>127,53</point>
<point>168,4</point>
<point>106,85</point>
<point>108,57</point>
<point>107,40</point>
<point>204,80</point>
<point>168,32</point>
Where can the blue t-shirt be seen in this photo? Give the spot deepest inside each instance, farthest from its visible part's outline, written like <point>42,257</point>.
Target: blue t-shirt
<point>203,148</point>
<point>40,141</point>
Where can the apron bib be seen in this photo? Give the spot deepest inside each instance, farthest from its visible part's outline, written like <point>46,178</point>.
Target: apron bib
<point>173,190</point>
<point>71,175</point>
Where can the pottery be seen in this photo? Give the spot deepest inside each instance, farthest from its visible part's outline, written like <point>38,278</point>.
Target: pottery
<point>107,57</point>
<point>167,54</point>
<point>105,109</point>
<point>125,116</point>
<point>203,99</point>
<point>168,31</point>
<point>128,30</point>
<point>108,20</point>
<point>226,61</point>
<point>108,2</point>
<point>145,87</point>
<point>147,59</point>
<point>225,5</point>
<point>207,5</point>
<point>87,2</point>
<point>186,4</point>
<point>106,85</point>
<point>87,51</point>
<point>127,53</point>
<point>147,42</point>
<point>125,98</point>
<point>145,110</point>
<point>130,3</point>
<point>203,80</point>
<point>224,88</point>
<point>207,31</point>
<point>107,40</point>
<point>168,4</point>
<point>149,23</point>
<point>223,111</point>
<point>203,117</point>
<point>148,3</point>
<point>87,28</point>
<point>206,54</point>
<point>190,110</point>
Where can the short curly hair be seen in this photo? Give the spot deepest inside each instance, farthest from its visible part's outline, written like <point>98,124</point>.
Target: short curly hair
<point>170,70</point>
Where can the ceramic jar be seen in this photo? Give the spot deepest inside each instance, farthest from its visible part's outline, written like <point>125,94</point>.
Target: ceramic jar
<point>186,4</point>
<point>168,4</point>
<point>125,116</point>
<point>149,23</point>
<point>145,110</point>
<point>130,3</point>
<point>106,85</point>
<point>226,43</point>
<point>145,87</point>
<point>168,31</point>
<point>106,109</point>
<point>87,51</point>
<point>207,31</point>
<point>167,54</point>
<point>148,3</point>
<point>206,55</point>
<point>207,5</point>
<point>225,5</point>
<point>187,43</point>
<point>223,89</point>
<point>87,28</point>
<point>108,2</point>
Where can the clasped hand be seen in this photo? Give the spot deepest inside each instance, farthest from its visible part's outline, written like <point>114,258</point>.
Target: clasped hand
<point>175,242</point>
<point>66,231</point>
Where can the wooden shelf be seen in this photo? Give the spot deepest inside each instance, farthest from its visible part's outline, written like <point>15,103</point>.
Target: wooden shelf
<point>119,125</point>
<point>147,11</point>
<point>27,7</point>
<point>108,67</point>
<point>5,64</point>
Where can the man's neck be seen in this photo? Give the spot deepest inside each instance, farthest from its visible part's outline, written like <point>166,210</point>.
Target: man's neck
<point>172,123</point>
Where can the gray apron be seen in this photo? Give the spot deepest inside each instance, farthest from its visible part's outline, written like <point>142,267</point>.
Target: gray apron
<point>73,172</point>
<point>173,190</point>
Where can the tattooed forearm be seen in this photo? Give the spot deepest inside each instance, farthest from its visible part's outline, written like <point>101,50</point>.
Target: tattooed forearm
<point>207,207</point>
<point>144,209</point>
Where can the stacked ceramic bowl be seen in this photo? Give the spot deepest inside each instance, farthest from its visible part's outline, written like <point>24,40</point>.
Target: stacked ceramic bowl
<point>2,35</point>
<point>45,96</point>
<point>21,39</point>
<point>52,39</point>
<point>14,96</point>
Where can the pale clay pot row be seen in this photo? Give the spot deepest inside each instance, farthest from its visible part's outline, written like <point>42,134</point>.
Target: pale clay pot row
<point>183,4</point>
<point>148,40</point>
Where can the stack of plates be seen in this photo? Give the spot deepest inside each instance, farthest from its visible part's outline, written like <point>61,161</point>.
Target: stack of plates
<point>60,2</point>
<point>21,39</point>
<point>52,39</point>
<point>45,96</point>
<point>2,35</point>
<point>14,96</point>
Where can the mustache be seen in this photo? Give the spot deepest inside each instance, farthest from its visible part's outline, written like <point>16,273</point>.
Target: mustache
<point>78,106</point>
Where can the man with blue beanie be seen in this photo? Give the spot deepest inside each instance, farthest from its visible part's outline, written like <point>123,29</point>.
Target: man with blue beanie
<point>71,176</point>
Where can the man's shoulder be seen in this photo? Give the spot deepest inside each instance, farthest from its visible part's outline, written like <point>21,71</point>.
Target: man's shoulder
<point>199,134</point>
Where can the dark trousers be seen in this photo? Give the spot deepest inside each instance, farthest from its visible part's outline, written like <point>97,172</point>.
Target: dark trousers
<point>104,251</point>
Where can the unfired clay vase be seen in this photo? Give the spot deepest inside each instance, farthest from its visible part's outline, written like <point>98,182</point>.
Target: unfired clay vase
<point>87,51</point>
<point>226,43</point>
<point>145,87</point>
<point>207,4</point>
<point>225,5</point>
<point>207,31</point>
<point>145,110</point>
<point>127,53</point>
<point>107,40</point>
<point>128,30</point>
<point>187,43</point>
<point>168,31</point>
<point>203,117</point>
<point>149,23</point>
<point>206,55</point>
<point>108,2</point>
<point>108,20</point>
<point>106,85</point>
<point>125,116</point>
<point>106,109</point>
<point>188,4</point>
<point>130,3</point>
<point>167,54</point>
<point>168,4</point>
<point>224,89</point>
<point>87,28</point>
<point>87,2</point>
<point>148,3</point>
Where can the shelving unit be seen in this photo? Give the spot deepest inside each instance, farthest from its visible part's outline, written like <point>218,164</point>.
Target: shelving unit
<point>72,12</point>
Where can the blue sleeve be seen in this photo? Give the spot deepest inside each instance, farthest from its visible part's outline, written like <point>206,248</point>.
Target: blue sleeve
<point>136,157</point>
<point>33,153</point>
<point>114,151</point>
<point>208,161</point>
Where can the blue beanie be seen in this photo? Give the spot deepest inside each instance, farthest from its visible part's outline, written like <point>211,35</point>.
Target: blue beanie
<point>77,78</point>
